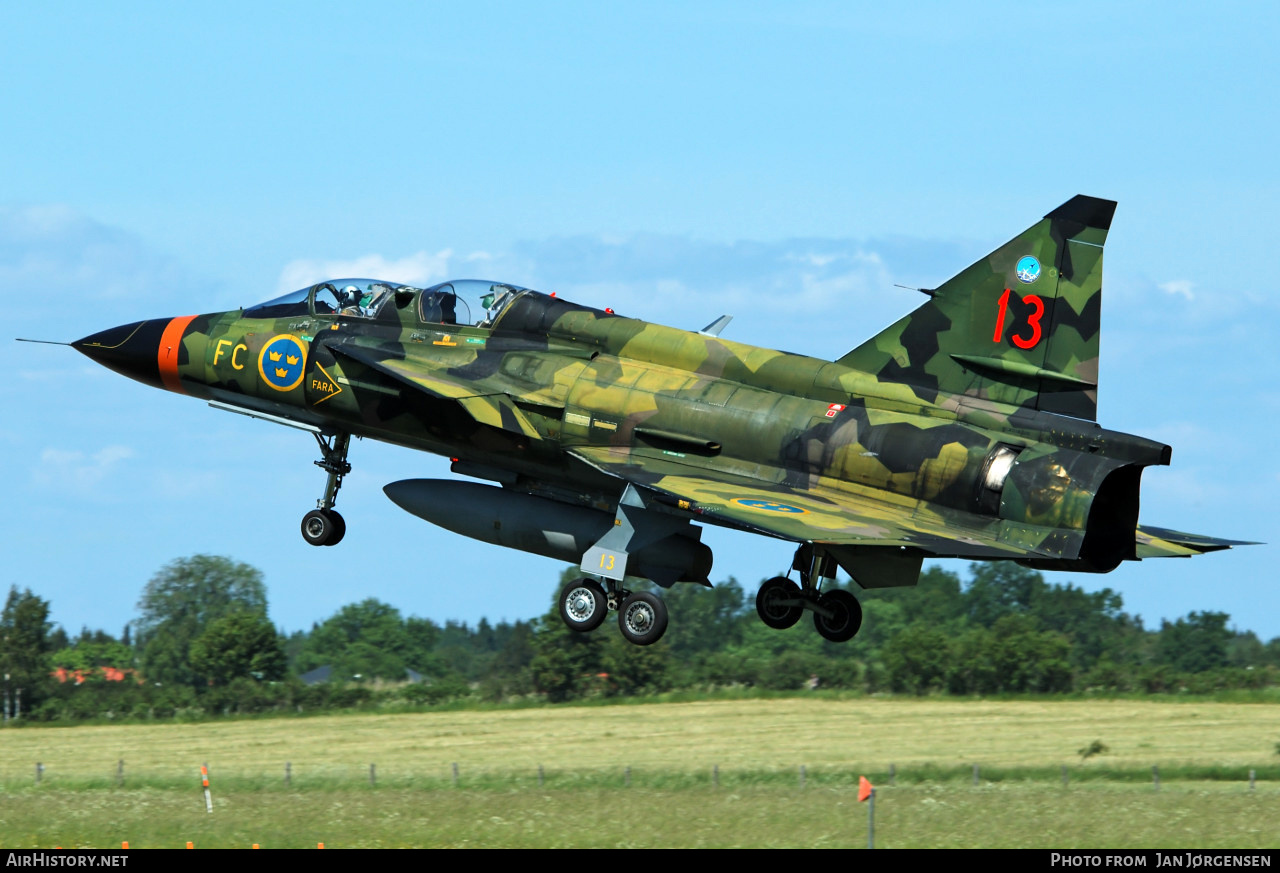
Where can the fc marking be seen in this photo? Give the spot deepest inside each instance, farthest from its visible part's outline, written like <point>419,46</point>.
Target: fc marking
<point>221,347</point>
<point>769,506</point>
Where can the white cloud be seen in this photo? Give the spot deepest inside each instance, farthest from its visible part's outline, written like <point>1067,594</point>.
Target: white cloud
<point>1181,287</point>
<point>185,483</point>
<point>63,256</point>
<point>421,268</point>
<point>59,375</point>
<point>76,471</point>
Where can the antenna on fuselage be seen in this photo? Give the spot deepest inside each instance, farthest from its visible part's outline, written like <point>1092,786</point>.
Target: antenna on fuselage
<point>714,328</point>
<point>927,292</point>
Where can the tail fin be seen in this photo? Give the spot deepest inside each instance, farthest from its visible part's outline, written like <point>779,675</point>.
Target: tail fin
<point>1019,327</point>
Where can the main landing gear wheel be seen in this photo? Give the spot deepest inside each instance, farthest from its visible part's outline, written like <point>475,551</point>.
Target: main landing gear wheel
<point>642,618</point>
<point>843,619</point>
<point>583,606</point>
<point>777,603</point>
<point>323,527</point>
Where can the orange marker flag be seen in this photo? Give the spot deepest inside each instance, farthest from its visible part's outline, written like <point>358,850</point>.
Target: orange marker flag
<point>864,789</point>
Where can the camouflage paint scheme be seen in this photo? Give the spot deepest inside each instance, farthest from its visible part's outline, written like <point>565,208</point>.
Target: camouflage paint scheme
<point>966,429</point>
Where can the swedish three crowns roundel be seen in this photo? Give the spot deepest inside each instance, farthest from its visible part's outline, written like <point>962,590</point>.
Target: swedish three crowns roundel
<point>281,362</point>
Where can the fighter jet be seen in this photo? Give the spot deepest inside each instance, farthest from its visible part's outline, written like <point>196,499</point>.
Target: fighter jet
<point>965,430</point>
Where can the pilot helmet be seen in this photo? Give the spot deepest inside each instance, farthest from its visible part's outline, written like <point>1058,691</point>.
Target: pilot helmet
<point>350,295</point>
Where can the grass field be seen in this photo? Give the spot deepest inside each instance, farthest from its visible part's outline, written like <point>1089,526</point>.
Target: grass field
<point>1204,751</point>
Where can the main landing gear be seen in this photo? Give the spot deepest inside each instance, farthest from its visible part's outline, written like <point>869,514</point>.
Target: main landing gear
<point>780,603</point>
<point>585,603</point>
<point>323,526</point>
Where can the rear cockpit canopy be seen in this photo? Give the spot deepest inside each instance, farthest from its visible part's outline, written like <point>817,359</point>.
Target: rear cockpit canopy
<point>466,301</point>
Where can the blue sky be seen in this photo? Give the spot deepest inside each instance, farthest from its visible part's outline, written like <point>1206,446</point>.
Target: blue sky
<point>785,163</point>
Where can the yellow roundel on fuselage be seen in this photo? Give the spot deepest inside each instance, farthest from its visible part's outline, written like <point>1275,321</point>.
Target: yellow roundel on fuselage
<point>282,362</point>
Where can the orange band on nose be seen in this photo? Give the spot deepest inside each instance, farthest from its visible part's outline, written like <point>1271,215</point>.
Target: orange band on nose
<point>167,356</point>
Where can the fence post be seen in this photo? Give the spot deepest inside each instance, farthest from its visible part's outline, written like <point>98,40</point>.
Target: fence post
<point>893,775</point>
<point>802,775</point>
<point>1065,778</point>
<point>975,774</point>
<point>288,774</point>
<point>715,777</point>
<point>627,778</point>
<point>1251,775</point>
<point>871,820</point>
<point>540,775</point>
<point>1155,775</point>
<point>455,774</point>
<point>373,775</point>
<point>120,772</point>
<point>40,772</point>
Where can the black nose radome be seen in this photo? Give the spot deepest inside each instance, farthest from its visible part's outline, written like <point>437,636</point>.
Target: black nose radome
<point>130,349</point>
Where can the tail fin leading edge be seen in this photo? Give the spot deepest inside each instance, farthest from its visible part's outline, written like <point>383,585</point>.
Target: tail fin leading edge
<point>1019,327</point>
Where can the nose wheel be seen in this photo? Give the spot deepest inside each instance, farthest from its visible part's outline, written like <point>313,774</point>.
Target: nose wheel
<point>323,526</point>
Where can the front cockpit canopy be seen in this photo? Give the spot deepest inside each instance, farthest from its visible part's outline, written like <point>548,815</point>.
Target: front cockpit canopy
<point>363,298</point>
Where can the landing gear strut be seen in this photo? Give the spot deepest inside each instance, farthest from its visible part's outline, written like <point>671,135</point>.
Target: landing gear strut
<point>642,617</point>
<point>323,526</point>
<point>837,615</point>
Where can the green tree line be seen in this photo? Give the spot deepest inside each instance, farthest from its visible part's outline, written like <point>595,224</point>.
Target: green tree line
<point>203,645</point>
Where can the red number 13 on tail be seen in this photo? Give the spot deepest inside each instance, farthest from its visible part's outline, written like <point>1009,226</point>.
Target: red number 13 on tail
<point>1033,321</point>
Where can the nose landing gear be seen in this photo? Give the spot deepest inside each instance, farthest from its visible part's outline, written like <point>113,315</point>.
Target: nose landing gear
<point>324,526</point>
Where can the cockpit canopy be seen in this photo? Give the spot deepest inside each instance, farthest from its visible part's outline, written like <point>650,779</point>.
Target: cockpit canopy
<point>358,297</point>
<point>461,301</point>
<point>441,303</point>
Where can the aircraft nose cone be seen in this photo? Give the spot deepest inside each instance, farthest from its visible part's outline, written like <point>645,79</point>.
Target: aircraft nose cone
<point>129,349</point>
<point>148,351</point>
